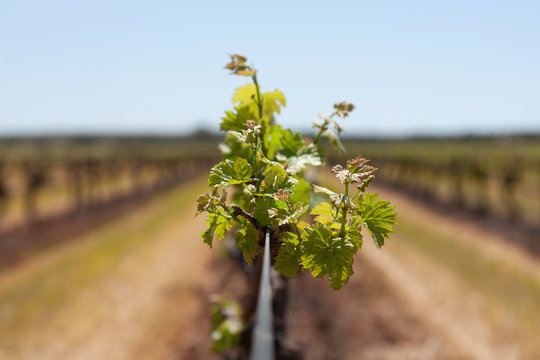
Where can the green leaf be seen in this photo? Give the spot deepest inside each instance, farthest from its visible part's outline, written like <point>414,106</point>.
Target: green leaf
<point>290,143</point>
<point>240,136</point>
<point>245,95</point>
<point>235,148</point>
<point>289,238</point>
<point>288,258</point>
<point>285,215</point>
<point>229,172</point>
<point>210,201</point>
<point>308,155</point>
<point>323,212</point>
<point>236,120</point>
<point>217,226</point>
<point>354,232</point>
<point>378,217</point>
<point>272,103</point>
<point>326,254</point>
<point>296,153</point>
<point>247,240</point>
<point>262,205</point>
<point>273,141</point>
<point>301,192</point>
<point>275,177</point>
<point>204,203</point>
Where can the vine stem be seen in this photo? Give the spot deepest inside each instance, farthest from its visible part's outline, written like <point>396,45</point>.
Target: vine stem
<point>323,128</point>
<point>344,209</point>
<point>318,136</point>
<point>257,177</point>
<point>238,211</point>
<point>259,102</point>
<point>260,107</point>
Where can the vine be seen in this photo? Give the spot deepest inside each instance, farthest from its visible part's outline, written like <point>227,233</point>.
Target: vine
<point>261,185</point>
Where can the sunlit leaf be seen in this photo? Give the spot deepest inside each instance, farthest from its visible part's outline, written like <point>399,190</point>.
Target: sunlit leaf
<point>354,232</point>
<point>323,212</point>
<point>273,142</point>
<point>229,172</point>
<point>272,103</point>
<point>217,226</point>
<point>262,206</point>
<point>288,258</point>
<point>276,177</point>
<point>308,155</point>
<point>301,192</point>
<point>236,120</point>
<point>325,254</point>
<point>291,143</point>
<point>288,215</point>
<point>247,240</point>
<point>377,216</point>
<point>245,95</point>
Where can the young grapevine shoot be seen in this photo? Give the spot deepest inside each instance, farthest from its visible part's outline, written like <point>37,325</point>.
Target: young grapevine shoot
<point>261,185</point>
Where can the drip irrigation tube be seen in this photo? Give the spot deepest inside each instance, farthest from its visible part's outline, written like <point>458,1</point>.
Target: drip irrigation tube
<point>262,347</point>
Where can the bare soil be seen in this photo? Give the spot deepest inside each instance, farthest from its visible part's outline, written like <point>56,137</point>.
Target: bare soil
<point>366,319</point>
<point>155,305</point>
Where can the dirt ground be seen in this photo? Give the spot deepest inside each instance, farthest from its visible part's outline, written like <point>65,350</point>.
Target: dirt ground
<point>466,278</point>
<point>153,302</point>
<point>366,319</point>
<point>397,307</point>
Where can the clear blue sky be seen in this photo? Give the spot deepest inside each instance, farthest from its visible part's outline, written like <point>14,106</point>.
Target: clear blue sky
<point>439,67</point>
